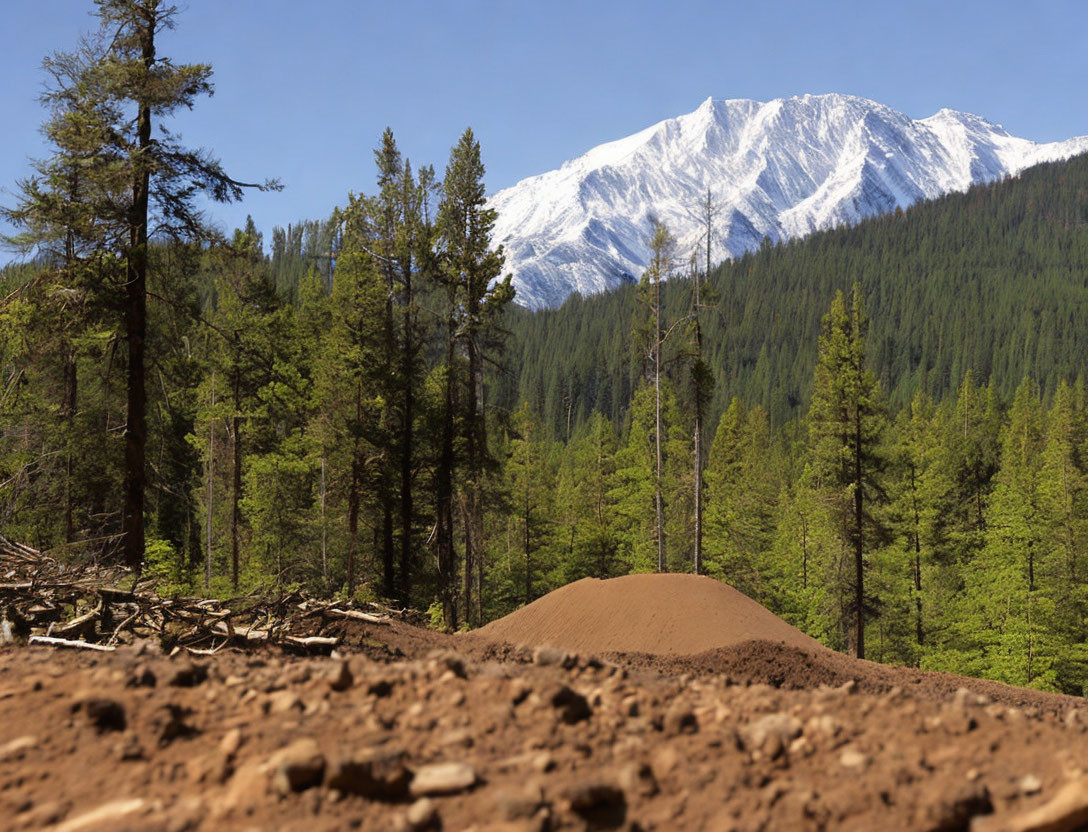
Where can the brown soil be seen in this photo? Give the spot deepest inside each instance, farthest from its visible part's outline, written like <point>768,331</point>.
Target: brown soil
<point>668,615</point>
<point>749,735</point>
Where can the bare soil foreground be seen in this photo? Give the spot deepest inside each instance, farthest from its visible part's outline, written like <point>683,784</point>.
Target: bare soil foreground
<point>650,702</point>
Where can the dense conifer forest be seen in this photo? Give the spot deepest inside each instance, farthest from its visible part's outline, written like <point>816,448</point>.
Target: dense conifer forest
<point>894,442</point>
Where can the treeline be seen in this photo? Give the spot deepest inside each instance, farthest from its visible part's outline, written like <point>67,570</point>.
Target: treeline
<point>992,280</point>
<point>342,415</point>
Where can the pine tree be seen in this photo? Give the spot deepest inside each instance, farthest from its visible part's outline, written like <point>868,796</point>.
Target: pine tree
<point>130,179</point>
<point>846,419</point>
<point>470,268</point>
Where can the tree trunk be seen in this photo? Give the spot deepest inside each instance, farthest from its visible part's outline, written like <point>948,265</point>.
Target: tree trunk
<point>444,492</point>
<point>68,408</point>
<point>211,494</point>
<point>132,520</point>
<point>389,583</point>
<point>659,509</point>
<point>919,634</point>
<point>859,542</point>
<point>236,486</point>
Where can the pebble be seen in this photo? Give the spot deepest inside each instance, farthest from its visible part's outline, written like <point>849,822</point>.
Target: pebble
<point>680,719</point>
<point>1029,784</point>
<point>443,778</point>
<point>638,779</point>
<point>853,759</point>
<point>781,726</point>
<point>340,677</point>
<point>519,803</point>
<point>231,742</point>
<point>422,814</point>
<point>377,773</point>
<point>16,747</point>
<point>549,656</point>
<point>282,702</point>
<point>104,817</point>
<point>299,766</point>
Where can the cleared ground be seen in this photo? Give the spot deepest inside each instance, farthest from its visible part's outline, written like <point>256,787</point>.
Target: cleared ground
<point>687,706</point>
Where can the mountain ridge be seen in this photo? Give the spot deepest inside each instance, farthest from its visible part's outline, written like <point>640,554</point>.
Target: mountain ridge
<point>779,169</point>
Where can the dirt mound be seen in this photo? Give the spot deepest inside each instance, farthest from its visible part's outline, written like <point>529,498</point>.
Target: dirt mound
<point>668,615</point>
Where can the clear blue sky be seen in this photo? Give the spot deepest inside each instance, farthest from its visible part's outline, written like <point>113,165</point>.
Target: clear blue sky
<point>304,90</point>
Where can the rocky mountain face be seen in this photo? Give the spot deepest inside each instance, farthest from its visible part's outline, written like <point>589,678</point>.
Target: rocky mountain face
<point>775,170</point>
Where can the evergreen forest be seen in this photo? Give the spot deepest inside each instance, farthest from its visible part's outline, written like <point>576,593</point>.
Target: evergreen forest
<point>879,432</point>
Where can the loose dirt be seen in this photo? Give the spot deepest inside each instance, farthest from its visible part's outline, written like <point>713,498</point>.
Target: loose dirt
<point>409,729</point>
<point>667,615</point>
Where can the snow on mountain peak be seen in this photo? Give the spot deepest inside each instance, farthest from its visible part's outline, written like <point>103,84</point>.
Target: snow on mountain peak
<point>775,169</point>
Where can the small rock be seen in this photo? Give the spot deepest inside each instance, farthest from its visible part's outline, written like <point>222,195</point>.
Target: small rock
<point>453,663</point>
<point>549,656</point>
<point>954,812</point>
<point>15,748</point>
<point>376,773</point>
<point>106,816</point>
<point>130,748</point>
<point>853,759</point>
<point>680,719</point>
<point>282,702</point>
<point>231,742</point>
<point>187,674</point>
<point>209,768</point>
<point>422,814</point>
<point>571,705</point>
<point>340,678</point>
<point>299,766</point>
<point>543,762</point>
<point>781,726</point>
<point>247,791</point>
<point>185,815</point>
<point>638,779</point>
<point>1029,784</point>
<point>104,714</point>
<point>460,737</point>
<point>442,778</point>
<point>519,804</point>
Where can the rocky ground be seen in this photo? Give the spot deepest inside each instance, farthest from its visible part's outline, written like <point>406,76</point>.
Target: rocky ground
<point>410,729</point>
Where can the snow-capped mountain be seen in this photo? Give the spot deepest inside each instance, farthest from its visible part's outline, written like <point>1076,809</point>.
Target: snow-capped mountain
<point>778,169</point>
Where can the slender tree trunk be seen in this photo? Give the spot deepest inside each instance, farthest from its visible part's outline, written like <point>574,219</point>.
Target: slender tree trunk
<point>699,393</point>
<point>659,509</point>
<point>528,553</point>
<point>804,552</point>
<point>132,520</point>
<point>353,522</point>
<point>919,634</point>
<point>68,408</point>
<point>859,541</point>
<point>444,490</point>
<point>211,495</point>
<point>236,486</point>
<point>389,584</point>
<point>407,508</point>
<point>324,531</point>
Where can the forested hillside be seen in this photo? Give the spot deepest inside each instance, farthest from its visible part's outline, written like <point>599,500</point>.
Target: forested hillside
<point>992,280</point>
<point>881,432</point>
